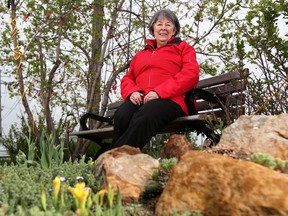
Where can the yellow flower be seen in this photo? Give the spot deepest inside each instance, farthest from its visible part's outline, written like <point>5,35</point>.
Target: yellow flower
<point>102,193</point>
<point>56,184</point>
<point>80,193</point>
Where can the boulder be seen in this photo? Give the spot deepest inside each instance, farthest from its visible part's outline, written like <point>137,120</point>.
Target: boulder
<point>176,146</point>
<point>128,169</point>
<point>257,134</point>
<point>217,185</point>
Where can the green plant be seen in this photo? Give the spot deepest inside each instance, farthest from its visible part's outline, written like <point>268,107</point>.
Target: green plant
<point>108,208</point>
<point>101,203</point>
<point>152,189</point>
<point>34,211</point>
<point>153,148</point>
<point>5,160</point>
<point>192,213</point>
<point>16,140</point>
<point>216,128</point>
<point>269,161</point>
<point>168,164</point>
<point>23,185</point>
<point>50,154</point>
<point>30,158</point>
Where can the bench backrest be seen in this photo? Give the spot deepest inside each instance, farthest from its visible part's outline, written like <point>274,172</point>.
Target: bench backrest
<point>229,87</point>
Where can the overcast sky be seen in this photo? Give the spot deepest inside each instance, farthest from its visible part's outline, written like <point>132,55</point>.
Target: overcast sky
<point>10,107</point>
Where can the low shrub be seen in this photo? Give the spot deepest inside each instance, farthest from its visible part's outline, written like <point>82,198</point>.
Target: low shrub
<point>22,185</point>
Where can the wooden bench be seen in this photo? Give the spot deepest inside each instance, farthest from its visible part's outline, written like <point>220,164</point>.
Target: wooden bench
<point>219,98</point>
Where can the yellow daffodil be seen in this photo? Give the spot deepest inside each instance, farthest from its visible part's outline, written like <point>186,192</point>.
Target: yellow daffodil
<point>165,141</point>
<point>56,184</point>
<point>80,193</point>
<point>102,194</point>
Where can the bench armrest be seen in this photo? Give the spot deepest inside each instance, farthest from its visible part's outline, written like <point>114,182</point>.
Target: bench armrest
<point>86,116</point>
<point>197,93</point>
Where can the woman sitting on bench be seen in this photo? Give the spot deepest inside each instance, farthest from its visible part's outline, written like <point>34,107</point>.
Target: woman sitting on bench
<point>154,87</point>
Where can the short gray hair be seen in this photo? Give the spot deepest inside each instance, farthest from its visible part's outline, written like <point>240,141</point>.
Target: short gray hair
<point>167,14</point>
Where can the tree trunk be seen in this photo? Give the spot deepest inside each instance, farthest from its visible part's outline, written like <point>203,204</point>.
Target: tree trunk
<point>19,58</point>
<point>93,80</point>
<point>96,63</point>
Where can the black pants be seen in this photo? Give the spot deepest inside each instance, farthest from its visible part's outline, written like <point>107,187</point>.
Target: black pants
<point>135,125</point>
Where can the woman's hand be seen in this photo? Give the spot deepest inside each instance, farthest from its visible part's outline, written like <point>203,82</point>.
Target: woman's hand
<point>136,98</point>
<point>152,95</point>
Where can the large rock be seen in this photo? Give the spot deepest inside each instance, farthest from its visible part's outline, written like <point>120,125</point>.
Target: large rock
<point>219,185</point>
<point>128,169</point>
<point>258,134</point>
<point>176,146</point>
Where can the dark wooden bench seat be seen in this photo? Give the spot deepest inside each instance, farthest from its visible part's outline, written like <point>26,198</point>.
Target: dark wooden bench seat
<point>219,98</point>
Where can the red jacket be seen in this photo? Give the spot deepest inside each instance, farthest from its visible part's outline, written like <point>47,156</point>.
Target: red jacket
<point>170,70</point>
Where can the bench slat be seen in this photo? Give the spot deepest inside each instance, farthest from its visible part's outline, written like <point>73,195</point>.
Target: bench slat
<point>225,78</point>
<point>100,132</point>
<point>108,131</point>
<point>233,100</point>
<point>228,88</point>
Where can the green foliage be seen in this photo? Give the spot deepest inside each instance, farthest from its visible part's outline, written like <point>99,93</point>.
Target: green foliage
<point>247,35</point>
<point>111,207</point>
<point>216,127</point>
<point>168,164</point>
<point>154,147</point>
<point>92,150</point>
<point>16,140</point>
<point>4,160</point>
<point>264,159</point>
<point>193,213</point>
<point>152,189</point>
<point>22,186</point>
<point>30,157</point>
<point>269,161</point>
<point>49,154</point>
<point>262,33</point>
<point>34,211</point>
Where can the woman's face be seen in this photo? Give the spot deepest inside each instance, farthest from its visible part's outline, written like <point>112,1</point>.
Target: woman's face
<point>163,30</point>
